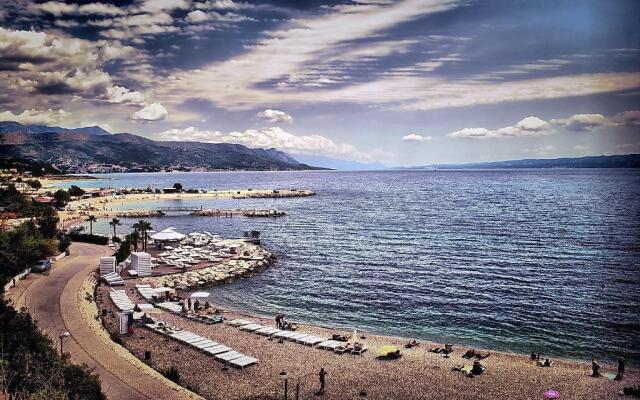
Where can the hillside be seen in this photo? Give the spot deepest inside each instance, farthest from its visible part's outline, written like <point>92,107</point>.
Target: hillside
<point>616,161</point>
<point>93,150</point>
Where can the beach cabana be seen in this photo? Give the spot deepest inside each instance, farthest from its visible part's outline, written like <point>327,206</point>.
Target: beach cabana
<point>200,295</point>
<point>167,235</point>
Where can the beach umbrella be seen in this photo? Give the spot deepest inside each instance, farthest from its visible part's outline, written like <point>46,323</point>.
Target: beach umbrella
<point>354,337</point>
<point>386,350</point>
<point>551,394</point>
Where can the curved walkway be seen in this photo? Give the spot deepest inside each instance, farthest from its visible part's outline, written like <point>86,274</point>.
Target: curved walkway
<point>54,300</point>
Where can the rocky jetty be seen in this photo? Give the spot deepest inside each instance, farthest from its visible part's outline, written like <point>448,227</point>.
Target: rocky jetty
<point>275,193</point>
<point>238,212</point>
<point>139,213</point>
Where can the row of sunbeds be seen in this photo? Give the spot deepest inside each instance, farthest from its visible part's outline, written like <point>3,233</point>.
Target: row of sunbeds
<point>113,279</point>
<point>208,346</point>
<point>306,339</point>
<point>121,300</point>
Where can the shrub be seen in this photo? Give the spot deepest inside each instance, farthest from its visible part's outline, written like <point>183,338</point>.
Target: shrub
<point>75,191</point>
<point>172,374</point>
<point>87,238</point>
<point>63,243</point>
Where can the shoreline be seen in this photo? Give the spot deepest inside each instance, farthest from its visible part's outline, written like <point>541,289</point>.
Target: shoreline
<point>417,374</point>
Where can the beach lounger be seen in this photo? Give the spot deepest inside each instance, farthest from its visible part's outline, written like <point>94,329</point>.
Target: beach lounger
<point>210,345</point>
<point>359,352</point>
<point>207,343</point>
<point>243,361</point>
<point>283,334</point>
<point>330,344</point>
<point>239,322</point>
<point>217,349</point>
<point>198,341</point>
<point>251,327</point>
<point>228,356</point>
<point>264,331</point>
<point>296,336</point>
<point>312,340</point>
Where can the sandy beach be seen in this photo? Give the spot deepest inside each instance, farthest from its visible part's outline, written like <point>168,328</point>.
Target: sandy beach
<point>418,374</point>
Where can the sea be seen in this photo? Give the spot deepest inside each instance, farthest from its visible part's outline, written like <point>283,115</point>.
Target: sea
<point>512,260</point>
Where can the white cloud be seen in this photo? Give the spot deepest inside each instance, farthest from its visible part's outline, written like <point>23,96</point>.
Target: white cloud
<point>288,53</point>
<point>274,116</point>
<point>154,6</point>
<point>119,94</point>
<point>416,137</point>
<point>196,16</point>
<point>152,112</point>
<point>270,137</point>
<point>541,151</point>
<point>59,9</point>
<point>582,122</point>
<point>527,127</point>
<point>46,117</point>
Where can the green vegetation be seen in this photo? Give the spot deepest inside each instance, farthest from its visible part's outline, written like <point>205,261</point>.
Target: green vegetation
<point>178,187</point>
<point>91,219</point>
<point>142,227</point>
<point>22,166</point>
<point>30,367</point>
<point>88,238</point>
<point>172,374</point>
<point>14,204</point>
<point>75,191</point>
<point>61,197</point>
<point>115,222</point>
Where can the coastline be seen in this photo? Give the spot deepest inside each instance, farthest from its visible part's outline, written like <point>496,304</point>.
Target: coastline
<point>417,374</point>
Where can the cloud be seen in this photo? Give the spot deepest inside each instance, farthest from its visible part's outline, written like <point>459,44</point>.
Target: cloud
<point>119,94</point>
<point>541,151</point>
<point>534,126</point>
<point>288,53</point>
<point>274,116</point>
<point>46,117</point>
<point>416,137</point>
<point>59,9</point>
<point>196,16</point>
<point>272,137</point>
<point>527,127</point>
<point>42,70</point>
<point>152,112</point>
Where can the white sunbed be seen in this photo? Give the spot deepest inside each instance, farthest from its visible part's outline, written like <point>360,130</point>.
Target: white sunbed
<point>239,322</point>
<point>242,362</point>
<point>210,345</point>
<point>296,336</point>
<point>330,344</point>
<point>284,334</point>
<point>217,349</point>
<point>251,327</point>
<point>200,340</point>
<point>228,356</point>
<point>267,331</point>
<point>207,343</point>
<point>311,340</point>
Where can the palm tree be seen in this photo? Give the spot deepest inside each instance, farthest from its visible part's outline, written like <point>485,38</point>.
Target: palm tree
<point>91,219</point>
<point>134,237</point>
<point>143,227</point>
<point>114,223</point>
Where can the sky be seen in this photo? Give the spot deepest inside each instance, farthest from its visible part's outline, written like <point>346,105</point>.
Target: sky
<point>403,83</point>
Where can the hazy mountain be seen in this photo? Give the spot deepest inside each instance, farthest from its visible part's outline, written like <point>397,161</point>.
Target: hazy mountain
<point>334,163</point>
<point>93,149</point>
<point>616,161</point>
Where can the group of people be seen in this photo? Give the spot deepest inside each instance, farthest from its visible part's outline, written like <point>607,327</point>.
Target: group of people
<point>539,361</point>
<point>595,369</point>
<point>282,324</point>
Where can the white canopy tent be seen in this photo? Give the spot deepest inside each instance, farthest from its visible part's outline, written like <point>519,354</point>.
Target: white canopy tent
<point>168,235</point>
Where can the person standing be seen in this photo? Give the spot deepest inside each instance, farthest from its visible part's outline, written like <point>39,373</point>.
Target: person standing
<point>595,368</point>
<point>621,363</point>
<point>322,374</point>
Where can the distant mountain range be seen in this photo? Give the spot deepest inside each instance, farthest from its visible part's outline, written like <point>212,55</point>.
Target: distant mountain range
<point>339,164</point>
<point>617,161</point>
<point>94,150</point>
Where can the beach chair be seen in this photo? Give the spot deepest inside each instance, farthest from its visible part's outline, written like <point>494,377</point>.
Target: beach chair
<point>311,340</point>
<point>359,352</point>
<point>207,343</point>
<point>229,355</point>
<point>330,344</point>
<point>243,361</point>
<point>217,349</point>
<point>251,327</point>
<point>239,322</point>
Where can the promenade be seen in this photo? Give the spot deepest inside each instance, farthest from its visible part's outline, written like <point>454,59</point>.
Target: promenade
<point>54,300</point>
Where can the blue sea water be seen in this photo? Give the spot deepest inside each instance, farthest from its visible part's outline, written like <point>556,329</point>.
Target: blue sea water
<point>519,260</point>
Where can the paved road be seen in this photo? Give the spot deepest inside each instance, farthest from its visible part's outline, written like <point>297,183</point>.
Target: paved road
<point>52,300</point>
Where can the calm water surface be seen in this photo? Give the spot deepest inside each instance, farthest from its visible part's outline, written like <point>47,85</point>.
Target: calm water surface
<point>511,260</point>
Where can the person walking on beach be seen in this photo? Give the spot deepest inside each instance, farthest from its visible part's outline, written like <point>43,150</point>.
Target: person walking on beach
<point>595,368</point>
<point>620,375</point>
<point>322,374</point>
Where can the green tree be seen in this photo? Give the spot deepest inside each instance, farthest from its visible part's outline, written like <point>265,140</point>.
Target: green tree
<point>91,219</point>
<point>34,183</point>
<point>115,222</point>
<point>143,227</point>
<point>178,187</point>
<point>62,197</point>
<point>48,226</point>
<point>75,191</point>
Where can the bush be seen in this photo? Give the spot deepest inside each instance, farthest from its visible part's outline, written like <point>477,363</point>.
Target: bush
<point>75,191</point>
<point>172,374</point>
<point>49,247</point>
<point>63,243</point>
<point>116,239</point>
<point>87,238</point>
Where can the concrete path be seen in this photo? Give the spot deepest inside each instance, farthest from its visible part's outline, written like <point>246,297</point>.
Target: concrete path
<point>52,299</point>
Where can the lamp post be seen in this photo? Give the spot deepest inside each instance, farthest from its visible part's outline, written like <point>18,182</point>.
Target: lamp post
<point>62,336</point>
